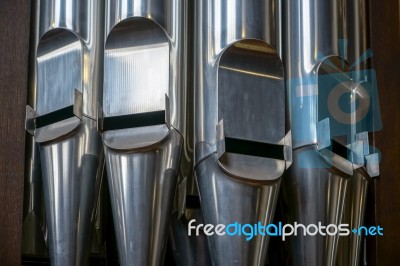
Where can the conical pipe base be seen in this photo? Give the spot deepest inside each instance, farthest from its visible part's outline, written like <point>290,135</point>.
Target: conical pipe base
<point>313,192</point>
<point>349,249</point>
<point>142,186</point>
<point>188,250</point>
<point>33,238</point>
<point>226,200</point>
<point>71,170</point>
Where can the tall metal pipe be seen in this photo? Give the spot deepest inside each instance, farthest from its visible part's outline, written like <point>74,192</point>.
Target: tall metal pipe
<point>188,250</point>
<point>313,191</point>
<point>328,147</point>
<point>34,224</point>
<point>68,71</point>
<point>239,102</point>
<point>358,54</point>
<point>142,120</point>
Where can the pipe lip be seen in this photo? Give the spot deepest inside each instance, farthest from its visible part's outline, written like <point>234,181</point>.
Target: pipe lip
<point>129,139</point>
<point>244,173</point>
<point>57,130</point>
<point>247,167</point>
<point>312,158</point>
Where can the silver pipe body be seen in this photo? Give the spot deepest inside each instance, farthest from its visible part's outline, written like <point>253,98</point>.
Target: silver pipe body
<point>358,54</point>
<point>68,71</point>
<point>349,247</point>
<point>145,80</point>
<point>34,224</point>
<point>188,250</point>
<point>311,34</point>
<point>239,96</point>
<point>218,25</point>
<point>315,189</point>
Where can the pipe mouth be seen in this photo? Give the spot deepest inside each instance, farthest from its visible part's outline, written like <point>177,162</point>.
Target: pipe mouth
<point>251,92</point>
<point>136,68</point>
<point>251,111</point>
<point>57,130</point>
<point>135,138</point>
<point>246,167</point>
<point>135,111</point>
<point>250,131</point>
<point>59,70</point>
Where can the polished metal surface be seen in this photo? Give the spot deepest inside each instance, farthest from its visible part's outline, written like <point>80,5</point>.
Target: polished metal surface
<point>218,25</point>
<point>71,169</point>
<point>135,51</point>
<point>310,34</point>
<point>349,249</point>
<point>69,34</point>
<point>142,185</point>
<point>67,74</point>
<point>157,29</point>
<point>200,102</point>
<point>327,102</point>
<point>144,75</point>
<point>358,53</point>
<point>239,102</point>
<point>34,224</point>
<point>57,52</point>
<point>357,35</point>
<point>189,250</point>
<point>313,191</point>
<point>225,200</point>
<point>250,78</point>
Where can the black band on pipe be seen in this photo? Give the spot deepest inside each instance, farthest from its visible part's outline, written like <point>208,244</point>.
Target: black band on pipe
<point>134,120</point>
<point>54,117</point>
<point>254,148</point>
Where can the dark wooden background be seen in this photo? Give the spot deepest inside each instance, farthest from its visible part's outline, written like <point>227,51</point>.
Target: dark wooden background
<point>14,48</point>
<point>384,208</point>
<point>385,40</point>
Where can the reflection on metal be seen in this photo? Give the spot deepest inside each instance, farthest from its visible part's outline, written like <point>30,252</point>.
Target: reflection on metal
<point>349,250</point>
<point>33,227</point>
<point>314,188</point>
<point>34,224</point>
<point>189,250</point>
<point>70,185</point>
<point>194,125</point>
<point>240,146</point>
<point>142,187</point>
<point>313,191</point>
<point>142,120</point>
<point>63,125</point>
<point>226,200</point>
<point>329,107</point>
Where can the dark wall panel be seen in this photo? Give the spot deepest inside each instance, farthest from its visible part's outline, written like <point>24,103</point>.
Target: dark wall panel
<point>14,47</point>
<point>385,36</point>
